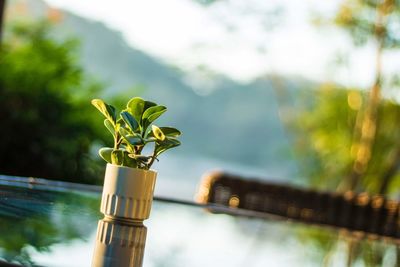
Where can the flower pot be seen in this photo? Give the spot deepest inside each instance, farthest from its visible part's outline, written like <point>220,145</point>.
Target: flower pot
<point>127,193</point>
<point>119,244</point>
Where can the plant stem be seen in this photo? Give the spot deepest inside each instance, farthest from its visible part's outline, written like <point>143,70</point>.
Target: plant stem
<point>115,143</point>
<point>153,157</point>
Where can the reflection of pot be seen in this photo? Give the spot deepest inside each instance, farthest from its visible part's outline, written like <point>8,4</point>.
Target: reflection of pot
<point>119,244</point>
<point>127,192</point>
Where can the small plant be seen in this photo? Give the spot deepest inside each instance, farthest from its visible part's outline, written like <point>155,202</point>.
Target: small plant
<point>132,132</point>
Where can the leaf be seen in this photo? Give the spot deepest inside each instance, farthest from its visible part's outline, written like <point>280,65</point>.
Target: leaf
<point>109,126</point>
<point>129,120</point>
<point>129,149</point>
<point>136,107</point>
<point>161,149</point>
<point>132,139</point>
<point>143,160</point>
<point>123,131</point>
<point>105,153</point>
<point>111,111</point>
<point>107,110</point>
<point>128,161</point>
<point>117,157</point>
<point>100,105</point>
<point>120,121</point>
<point>168,131</point>
<point>151,114</point>
<point>165,145</point>
<point>150,139</point>
<point>139,157</point>
<point>157,133</point>
<point>173,142</point>
<point>148,104</point>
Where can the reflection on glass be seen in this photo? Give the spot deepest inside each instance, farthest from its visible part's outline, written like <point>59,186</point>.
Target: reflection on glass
<point>32,221</point>
<point>119,243</point>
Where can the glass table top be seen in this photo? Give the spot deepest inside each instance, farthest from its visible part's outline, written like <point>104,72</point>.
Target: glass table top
<point>55,224</point>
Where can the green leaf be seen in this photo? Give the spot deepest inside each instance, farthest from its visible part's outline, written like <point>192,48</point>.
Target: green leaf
<point>129,120</point>
<point>148,104</point>
<point>117,157</point>
<point>171,141</point>
<point>136,107</point>
<point>123,131</point>
<point>150,139</point>
<point>120,121</point>
<point>139,157</point>
<point>107,110</point>
<point>129,149</point>
<point>105,153</point>
<point>100,105</point>
<point>165,145</point>
<point>157,133</point>
<point>131,126</point>
<point>111,111</point>
<point>128,161</point>
<point>109,126</point>
<point>168,131</point>
<point>132,139</point>
<point>151,114</point>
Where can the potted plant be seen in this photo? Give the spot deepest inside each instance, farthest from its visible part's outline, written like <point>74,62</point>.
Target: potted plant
<point>129,180</point>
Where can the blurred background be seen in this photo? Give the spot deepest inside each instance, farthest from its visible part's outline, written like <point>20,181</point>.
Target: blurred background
<point>301,92</point>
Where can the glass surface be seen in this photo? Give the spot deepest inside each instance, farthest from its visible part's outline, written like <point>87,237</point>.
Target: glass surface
<point>56,226</point>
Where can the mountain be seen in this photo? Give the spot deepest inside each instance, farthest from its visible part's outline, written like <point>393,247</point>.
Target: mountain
<point>234,122</point>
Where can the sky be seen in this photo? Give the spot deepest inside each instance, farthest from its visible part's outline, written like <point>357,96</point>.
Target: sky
<point>242,39</point>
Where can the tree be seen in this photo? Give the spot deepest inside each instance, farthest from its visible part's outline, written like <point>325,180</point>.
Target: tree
<point>354,131</point>
<point>45,113</point>
<point>349,137</point>
<point>326,143</point>
<point>370,20</point>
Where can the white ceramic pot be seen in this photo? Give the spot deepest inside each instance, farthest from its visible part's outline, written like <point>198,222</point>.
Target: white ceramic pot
<point>127,193</point>
<point>119,245</point>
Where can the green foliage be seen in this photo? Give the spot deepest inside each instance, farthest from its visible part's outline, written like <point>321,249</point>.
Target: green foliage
<point>326,144</point>
<point>370,19</point>
<point>361,146</point>
<point>47,128</point>
<point>349,138</point>
<point>131,133</point>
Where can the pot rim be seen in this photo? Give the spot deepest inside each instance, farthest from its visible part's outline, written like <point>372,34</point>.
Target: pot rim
<point>125,167</point>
